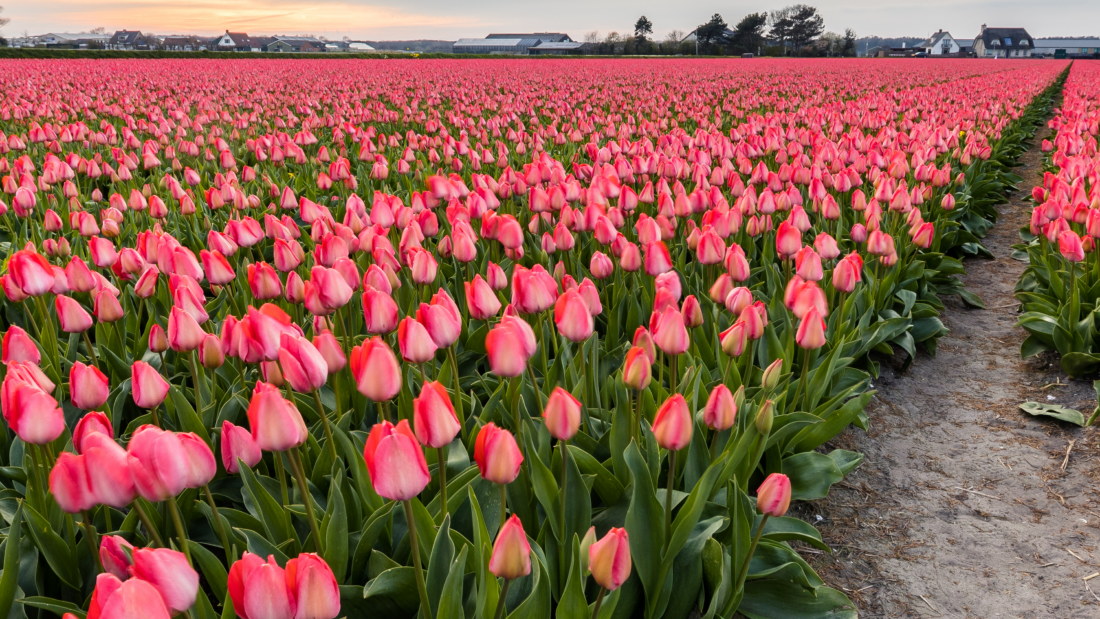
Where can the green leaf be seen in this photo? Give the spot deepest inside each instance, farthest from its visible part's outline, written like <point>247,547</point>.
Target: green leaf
<point>786,528</point>
<point>271,513</point>
<point>537,605</point>
<point>212,569</point>
<point>450,600</point>
<point>692,509</point>
<point>439,565</point>
<point>189,420</point>
<point>374,527</point>
<point>9,580</point>
<point>57,607</point>
<point>811,474</point>
<point>52,547</point>
<point>645,524</point>
<point>1079,363</point>
<point>1054,410</point>
<point>777,599</point>
<point>397,584</point>
<point>258,545</point>
<point>335,530</point>
<point>572,604</point>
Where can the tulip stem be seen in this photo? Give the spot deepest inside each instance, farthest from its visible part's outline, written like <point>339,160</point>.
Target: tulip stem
<point>503,597</point>
<point>218,525</point>
<point>584,388</point>
<point>599,603</point>
<point>503,504</point>
<point>668,496</point>
<point>39,480</point>
<point>802,381</point>
<point>195,385</point>
<point>90,535</point>
<point>324,422</point>
<point>91,350</point>
<point>535,386</point>
<point>636,430</point>
<point>300,476</point>
<point>148,524</point>
<point>748,558</point>
<point>281,474</point>
<point>381,413</point>
<point>442,451</point>
<point>425,606</point>
<point>178,522</point>
<point>563,445</point>
<point>714,445</point>
<point>515,411</point>
<point>457,391</point>
<point>153,413</point>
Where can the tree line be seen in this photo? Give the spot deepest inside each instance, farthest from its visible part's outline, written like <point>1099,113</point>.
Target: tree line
<point>795,30</point>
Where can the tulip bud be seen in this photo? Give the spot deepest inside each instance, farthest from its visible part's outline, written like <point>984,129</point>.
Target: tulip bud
<point>133,599</point>
<point>113,556</point>
<point>434,417</point>
<point>721,410</point>
<point>609,559</point>
<point>237,443</point>
<point>170,574</point>
<point>313,587</point>
<point>773,497</point>
<point>770,377</point>
<point>210,352</point>
<point>586,543</point>
<point>376,370</point>
<point>764,418</point>
<point>672,426</point>
<point>395,461</point>
<point>497,455</point>
<point>94,422</point>
<point>275,421</point>
<point>69,484</point>
<point>88,387</point>
<point>158,339</point>
<point>637,369</point>
<point>511,556</point>
<point>148,387</point>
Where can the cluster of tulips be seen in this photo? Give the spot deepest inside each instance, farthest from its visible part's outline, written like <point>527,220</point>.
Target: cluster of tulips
<point>460,353</point>
<point>1056,290</point>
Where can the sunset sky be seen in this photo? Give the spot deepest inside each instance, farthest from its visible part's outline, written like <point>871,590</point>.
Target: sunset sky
<point>448,19</point>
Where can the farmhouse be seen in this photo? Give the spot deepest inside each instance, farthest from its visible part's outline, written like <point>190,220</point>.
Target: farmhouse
<point>1003,43</point>
<point>940,44</point>
<point>128,39</point>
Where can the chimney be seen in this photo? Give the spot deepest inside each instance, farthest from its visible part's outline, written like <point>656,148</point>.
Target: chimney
<point>983,27</point>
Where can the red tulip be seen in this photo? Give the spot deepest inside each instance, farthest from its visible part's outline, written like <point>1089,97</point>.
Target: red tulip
<point>788,240</point>
<point>109,475</point>
<point>507,345</point>
<point>773,497</point>
<point>18,346</point>
<point>71,316</point>
<point>1069,244</point>
<point>326,344</point>
<point>497,455</point>
<point>170,574</point>
<point>148,387</point>
<point>275,421</point>
<point>264,281</point>
<point>533,290</point>
<point>395,461</point>
<point>609,559</point>
<point>79,275</point>
<point>511,556</point>
<point>88,387</point>
<point>133,599</point>
<point>672,426</point>
<point>657,259</point>
<point>184,332</point>
<point>670,334</point>
<point>376,370</point>
<point>637,369</point>
<point>31,272</point>
<point>846,274</point>
<point>562,414</point>
<point>103,252</point>
<point>218,271</point>
<point>94,422</point>
<point>434,417</point>
<point>331,287</point>
<point>237,443</point>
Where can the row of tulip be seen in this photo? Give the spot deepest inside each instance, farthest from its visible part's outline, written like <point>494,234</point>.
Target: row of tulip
<point>1057,291</point>
<point>693,303</point>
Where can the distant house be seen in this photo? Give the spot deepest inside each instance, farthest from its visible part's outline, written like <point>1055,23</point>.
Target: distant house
<point>519,43</point>
<point>546,37</point>
<point>130,39</point>
<point>1003,43</point>
<point>940,44</point>
<point>1069,48</point>
<point>70,40</point>
<point>966,46</point>
<point>296,45</point>
<point>183,44</point>
<point>235,42</point>
<point>556,48</point>
<point>359,46</point>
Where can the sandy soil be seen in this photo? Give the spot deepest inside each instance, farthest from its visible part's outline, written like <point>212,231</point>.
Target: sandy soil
<point>965,506</point>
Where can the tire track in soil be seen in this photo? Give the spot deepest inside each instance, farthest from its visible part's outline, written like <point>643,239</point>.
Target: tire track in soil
<point>1018,542</point>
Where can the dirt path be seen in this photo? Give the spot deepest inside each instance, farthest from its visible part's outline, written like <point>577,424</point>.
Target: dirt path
<point>962,508</point>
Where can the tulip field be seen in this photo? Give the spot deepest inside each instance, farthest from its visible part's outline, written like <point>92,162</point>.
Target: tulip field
<point>296,339</point>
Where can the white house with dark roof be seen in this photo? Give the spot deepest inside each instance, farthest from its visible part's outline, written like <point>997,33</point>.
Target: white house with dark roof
<point>940,44</point>
<point>1003,43</point>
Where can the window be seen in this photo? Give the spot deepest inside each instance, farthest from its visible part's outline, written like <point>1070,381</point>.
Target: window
<point>1008,42</point>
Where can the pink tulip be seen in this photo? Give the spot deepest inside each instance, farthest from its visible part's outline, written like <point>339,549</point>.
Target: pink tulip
<point>88,387</point>
<point>657,259</point>
<point>507,348</point>
<point>395,461</point>
<point>511,556</point>
<point>148,387</point>
<point>572,317</point>
<point>773,497</point>
<point>313,588</point>
<point>237,443</point>
<point>302,364</point>
<point>31,272</point>
<point>275,421</point>
<point>259,590</point>
<point>113,556</point>
<point>811,331</point>
<point>380,311</point>
<point>376,370</point>
<point>481,302</point>
<point>609,559</point>
<point>184,332</point>
<point>109,474</point>
<point>415,343</point>
<point>326,344</point>
<point>672,426</point>
<point>71,317</point>
<point>69,484</point>
<point>670,334</point>
<point>720,411</point>
<point>434,417</point>
<point>94,422</point>
<point>31,413</point>
<point>133,599</point>
<point>170,574</point>
<point>562,414</point>
<point>497,455</point>
<point>18,346</point>
<point>441,318</point>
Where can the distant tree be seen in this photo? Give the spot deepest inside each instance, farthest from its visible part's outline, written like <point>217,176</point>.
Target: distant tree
<point>796,26</point>
<point>98,30</point>
<point>3,20</point>
<point>643,28</point>
<point>592,37</point>
<point>748,34</point>
<point>848,43</point>
<point>712,32</point>
<point>779,26</point>
<point>613,43</point>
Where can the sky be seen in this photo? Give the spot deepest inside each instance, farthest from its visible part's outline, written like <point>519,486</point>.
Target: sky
<point>453,19</point>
